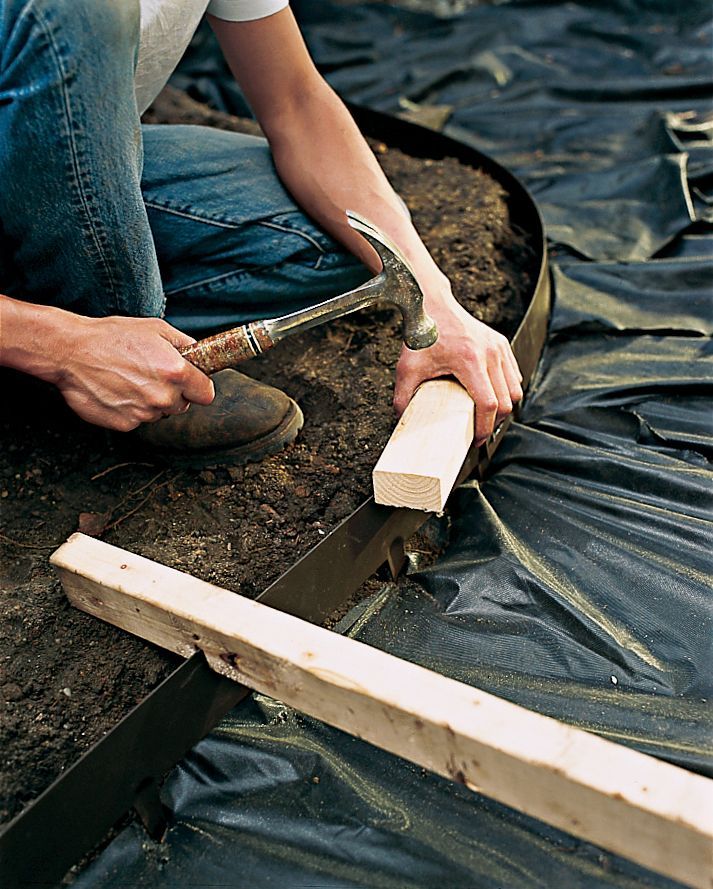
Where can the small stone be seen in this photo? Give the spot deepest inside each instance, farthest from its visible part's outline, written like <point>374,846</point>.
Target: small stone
<point>67,692</point>
<point>269,512</point>
<point>93,524</point>
<point>12,691</point>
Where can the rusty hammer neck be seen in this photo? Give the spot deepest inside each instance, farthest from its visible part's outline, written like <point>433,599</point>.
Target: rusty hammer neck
<point>335,307</point>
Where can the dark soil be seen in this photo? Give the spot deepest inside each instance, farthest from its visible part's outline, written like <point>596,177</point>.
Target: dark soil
<point>66,678</point>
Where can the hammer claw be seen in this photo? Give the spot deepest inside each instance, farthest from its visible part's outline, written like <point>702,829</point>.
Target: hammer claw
<point>399,284</point>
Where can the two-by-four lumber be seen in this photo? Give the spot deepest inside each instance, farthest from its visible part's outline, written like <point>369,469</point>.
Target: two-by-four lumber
<point>656,814</point>
<point>422,459</point>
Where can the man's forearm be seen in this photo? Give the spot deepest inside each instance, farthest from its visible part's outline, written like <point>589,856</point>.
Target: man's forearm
<point>319,153</point>
<point>327,165</point>
<point>34,338</point>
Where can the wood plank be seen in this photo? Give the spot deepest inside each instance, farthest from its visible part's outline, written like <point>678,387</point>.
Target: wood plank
<point>634,805</point>
<point>420,463</point>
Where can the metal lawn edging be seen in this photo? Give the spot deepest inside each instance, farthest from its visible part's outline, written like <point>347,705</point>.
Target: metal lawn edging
<point>124,769</point>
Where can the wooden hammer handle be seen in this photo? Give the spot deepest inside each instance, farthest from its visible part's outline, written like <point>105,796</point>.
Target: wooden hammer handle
<point>228,348</point>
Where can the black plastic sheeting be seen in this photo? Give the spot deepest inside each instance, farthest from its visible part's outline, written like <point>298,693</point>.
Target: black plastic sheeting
<point>577,580</point>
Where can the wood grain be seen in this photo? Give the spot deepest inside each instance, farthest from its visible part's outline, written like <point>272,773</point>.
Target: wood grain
<point>420,463</point>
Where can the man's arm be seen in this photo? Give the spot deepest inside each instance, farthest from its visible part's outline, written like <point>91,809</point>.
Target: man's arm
<point>327,166</point>
<point>114,372</point>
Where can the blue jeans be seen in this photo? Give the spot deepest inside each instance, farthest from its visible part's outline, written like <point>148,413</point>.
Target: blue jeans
<point>101,216</point>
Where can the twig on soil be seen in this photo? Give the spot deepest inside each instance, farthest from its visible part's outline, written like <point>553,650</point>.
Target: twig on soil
<point>140,504</point>
<point>28,545</point>
<point>340,342</point>
<point>117,466</point>
<point>138,490</point>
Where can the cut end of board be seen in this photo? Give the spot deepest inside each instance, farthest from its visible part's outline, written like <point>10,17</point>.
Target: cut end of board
<point>425,453</point>
<point>412,491</point>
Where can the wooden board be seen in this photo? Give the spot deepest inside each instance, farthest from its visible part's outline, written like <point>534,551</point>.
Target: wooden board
<point>420,463</point>
<point>655,814</point>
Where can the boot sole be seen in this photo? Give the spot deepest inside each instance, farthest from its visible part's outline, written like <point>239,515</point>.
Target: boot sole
<point>252,452</point>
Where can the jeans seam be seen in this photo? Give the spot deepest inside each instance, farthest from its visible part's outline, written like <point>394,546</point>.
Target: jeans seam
<point>151,205</point>
<point>194,217</point>
<point>235,273</point>
<point>44,25</point>
<point>204,281</point>
<point>294,231</point>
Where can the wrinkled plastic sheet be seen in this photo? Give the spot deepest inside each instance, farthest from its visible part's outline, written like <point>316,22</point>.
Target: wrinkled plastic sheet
<point>577,579</point>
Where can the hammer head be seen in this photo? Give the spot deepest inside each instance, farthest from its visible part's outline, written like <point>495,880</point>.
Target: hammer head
<point>396,284</point>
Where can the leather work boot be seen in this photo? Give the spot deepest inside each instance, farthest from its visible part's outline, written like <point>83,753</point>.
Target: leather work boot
<point>246,421</point>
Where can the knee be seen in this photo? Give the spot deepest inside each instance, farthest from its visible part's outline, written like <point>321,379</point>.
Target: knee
<point>77,25</point>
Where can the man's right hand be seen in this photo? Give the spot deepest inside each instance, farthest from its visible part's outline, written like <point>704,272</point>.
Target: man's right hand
<point>121,372</point>
<point>114,372</point>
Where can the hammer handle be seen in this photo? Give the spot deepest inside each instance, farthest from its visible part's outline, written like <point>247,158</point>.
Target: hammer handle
<point>228,348</point>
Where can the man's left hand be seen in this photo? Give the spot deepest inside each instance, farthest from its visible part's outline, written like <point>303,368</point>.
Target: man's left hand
<point>479,357</point>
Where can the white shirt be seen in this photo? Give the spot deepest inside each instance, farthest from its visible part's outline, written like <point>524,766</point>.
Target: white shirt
<point>166,30</point>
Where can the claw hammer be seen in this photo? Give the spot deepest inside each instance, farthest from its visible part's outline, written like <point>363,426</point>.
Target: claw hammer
<point>395,283</point>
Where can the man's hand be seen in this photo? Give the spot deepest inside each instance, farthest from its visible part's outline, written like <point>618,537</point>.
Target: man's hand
<point>114,372</point>
<point>121,372</point>
<point>479,357</point>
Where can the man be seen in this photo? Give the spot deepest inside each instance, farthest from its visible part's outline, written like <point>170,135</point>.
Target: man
<point>107,227</point>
